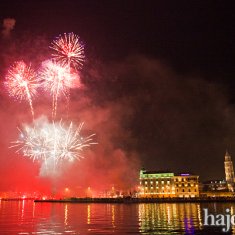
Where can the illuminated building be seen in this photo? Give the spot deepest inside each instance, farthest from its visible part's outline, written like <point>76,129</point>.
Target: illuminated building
<point>214,185</point>
<point>154,184</point>
<point>229,172</point>
<point>186,185</point>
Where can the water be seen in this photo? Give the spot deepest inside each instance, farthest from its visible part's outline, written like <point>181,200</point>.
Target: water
<point>26,217</point>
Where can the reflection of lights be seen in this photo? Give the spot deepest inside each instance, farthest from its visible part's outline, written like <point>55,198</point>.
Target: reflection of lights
<point>168,215</point>
<point>66,214</point>
<point>33,208</point>
<point>88,214</point>
<point>113,216</point>
<point>199,215</point>
<point>22,209</point>
<point>181,217</point>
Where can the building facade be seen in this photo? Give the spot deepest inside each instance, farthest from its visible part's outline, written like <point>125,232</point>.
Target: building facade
<point>186,185</point>
<point>154,184</point>
<point>215,185</point>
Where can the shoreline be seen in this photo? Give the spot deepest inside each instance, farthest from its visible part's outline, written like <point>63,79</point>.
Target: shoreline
<point>137,200</point>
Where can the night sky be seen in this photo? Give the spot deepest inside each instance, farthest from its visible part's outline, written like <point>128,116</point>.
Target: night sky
<point>158,77</point>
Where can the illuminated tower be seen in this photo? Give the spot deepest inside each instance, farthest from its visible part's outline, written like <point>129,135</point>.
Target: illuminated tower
<point>229,172</point>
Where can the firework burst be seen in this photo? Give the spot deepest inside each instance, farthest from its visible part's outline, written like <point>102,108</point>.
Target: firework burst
<point>57,141</point>
<point>68,50</point>
<point>58,80</point>
<point>22,83</point>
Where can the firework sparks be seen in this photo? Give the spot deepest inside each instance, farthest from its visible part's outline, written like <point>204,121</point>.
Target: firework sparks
<point>57,141</point>
<point>57,79</point>
<point>22,83</point>
<point>69,50</point>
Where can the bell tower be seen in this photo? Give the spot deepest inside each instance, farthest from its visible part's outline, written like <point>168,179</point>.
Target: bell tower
<point>229,172</point>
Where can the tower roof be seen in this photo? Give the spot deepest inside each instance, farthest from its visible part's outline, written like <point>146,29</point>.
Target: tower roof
<point>227,153</point>
<point>227,156</point>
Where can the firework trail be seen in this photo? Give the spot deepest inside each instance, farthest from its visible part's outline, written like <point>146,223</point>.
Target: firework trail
<point>68,50</point>
<point>22,83</point>
<point>58,141</point>
<point>57,79</point>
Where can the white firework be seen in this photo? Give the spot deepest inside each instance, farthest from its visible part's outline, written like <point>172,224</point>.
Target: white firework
<point>56,141</point>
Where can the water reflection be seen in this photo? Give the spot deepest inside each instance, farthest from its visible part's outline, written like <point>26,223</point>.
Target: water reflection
<point>88,214</point>
<point>27,217</point>
<point>66,214</point>
<point>113,216</point>
<point>170,218</point>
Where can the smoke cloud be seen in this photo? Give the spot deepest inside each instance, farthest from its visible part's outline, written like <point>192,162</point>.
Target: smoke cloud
<point>143,114</point>
<point>8,26</point>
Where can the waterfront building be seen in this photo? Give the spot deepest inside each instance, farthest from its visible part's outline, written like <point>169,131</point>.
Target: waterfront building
<point>155,184</point>
<point>229,172</point>
<point>186,185</point>
<point>215,185</point>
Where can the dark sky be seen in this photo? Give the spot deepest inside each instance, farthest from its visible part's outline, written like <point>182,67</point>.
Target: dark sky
<point>168,66</point>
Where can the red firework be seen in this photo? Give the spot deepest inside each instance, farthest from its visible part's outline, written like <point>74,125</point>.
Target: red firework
<point>22,83</point>
<point>58,80</point>
<point>69,50</point>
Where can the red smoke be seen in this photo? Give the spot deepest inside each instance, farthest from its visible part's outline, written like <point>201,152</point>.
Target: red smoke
<point>104,166</point>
